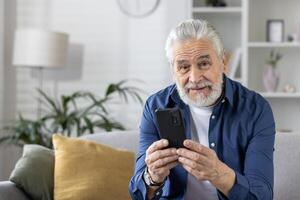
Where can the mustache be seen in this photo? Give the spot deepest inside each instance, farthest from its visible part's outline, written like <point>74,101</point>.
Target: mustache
<point>191,85</point>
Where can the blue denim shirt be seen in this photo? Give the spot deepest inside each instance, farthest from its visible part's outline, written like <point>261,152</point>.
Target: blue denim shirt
<point>241,132</point>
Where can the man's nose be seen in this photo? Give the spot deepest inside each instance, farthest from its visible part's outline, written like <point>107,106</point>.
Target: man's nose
<point>195,74</point>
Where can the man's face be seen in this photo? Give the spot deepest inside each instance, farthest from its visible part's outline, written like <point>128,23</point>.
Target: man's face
<point>197,71</point>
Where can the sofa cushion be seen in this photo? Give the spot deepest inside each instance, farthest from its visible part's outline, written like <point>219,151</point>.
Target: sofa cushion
<point>87,170</point>
<point>286,166</point>
<point>9,191</point>
<point>34,172</point>
<point>121,139</point>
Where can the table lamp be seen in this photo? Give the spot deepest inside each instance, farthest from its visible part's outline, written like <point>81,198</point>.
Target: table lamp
<point>40,49</point>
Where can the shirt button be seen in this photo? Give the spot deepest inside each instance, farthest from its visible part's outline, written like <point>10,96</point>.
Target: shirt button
<point>223,100</point>
<point>212,144</point>
<point>213,117</point>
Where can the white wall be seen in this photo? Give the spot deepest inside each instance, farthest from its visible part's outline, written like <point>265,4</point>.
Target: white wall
<point>8,154</point>
<point>1,60</point>
<point>1,74</point>
<point>106,46</point>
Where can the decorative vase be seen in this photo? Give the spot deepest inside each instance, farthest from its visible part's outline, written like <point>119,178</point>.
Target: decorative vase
<point>270,78</point>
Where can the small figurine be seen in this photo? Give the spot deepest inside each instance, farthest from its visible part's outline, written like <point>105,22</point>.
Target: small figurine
<point>289,88</point>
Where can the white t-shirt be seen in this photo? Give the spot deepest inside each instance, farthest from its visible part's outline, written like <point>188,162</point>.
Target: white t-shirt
<point>203,190</point>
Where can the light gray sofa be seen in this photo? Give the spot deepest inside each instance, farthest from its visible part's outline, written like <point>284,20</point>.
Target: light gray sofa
<point>287,166</point>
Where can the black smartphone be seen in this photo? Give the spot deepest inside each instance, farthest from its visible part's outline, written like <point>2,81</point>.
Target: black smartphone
<point>171,126</point>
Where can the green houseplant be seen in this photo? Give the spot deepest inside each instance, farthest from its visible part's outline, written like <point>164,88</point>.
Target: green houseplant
<point>274,58</point>
<point>68,117</point>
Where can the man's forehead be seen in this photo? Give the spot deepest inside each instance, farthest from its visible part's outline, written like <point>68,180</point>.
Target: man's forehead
<point>184,58</point>
<point>190,44</point>
<point>194,48</point>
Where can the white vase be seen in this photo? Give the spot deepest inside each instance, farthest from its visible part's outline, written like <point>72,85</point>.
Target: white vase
<point>270,78</point>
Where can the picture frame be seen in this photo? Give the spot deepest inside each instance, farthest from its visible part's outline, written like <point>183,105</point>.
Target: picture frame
<point>275,30</point>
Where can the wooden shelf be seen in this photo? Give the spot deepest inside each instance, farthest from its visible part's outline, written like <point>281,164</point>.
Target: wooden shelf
<point>269,44</point>
<point>217,9</point>
<point>280,95</point>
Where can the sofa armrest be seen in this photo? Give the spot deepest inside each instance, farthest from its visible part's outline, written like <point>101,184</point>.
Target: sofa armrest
<point>9,191</point>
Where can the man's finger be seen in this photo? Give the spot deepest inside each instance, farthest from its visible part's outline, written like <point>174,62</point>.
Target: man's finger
<point>192,155</point>
<point>191,163</point>
<point>197,147</point>
<point>160,144</point>
<point>163,171</point>
<point>165,161</point>
<point>159,154</point>
<point>171,165</point>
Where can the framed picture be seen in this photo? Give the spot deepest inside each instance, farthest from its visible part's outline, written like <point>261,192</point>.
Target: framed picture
<point>275,30</point>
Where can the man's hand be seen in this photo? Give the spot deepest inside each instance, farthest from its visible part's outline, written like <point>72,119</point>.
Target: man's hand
<point>203,163</point>
<point>159,160</point>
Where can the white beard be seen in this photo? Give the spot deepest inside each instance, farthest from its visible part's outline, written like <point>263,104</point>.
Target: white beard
<point>201,100</point>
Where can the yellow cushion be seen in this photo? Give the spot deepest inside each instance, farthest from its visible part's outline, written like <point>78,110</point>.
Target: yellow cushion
<point>86,170</point>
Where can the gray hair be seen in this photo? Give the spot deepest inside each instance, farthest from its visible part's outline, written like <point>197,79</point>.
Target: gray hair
<point>194,29</point>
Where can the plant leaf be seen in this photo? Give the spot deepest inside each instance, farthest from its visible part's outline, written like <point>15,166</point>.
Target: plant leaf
<point>89,124</point>
<point>49,100</point>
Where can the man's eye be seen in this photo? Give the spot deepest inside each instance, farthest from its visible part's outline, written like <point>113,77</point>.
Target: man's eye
<point>204,64</point>
<point>183,67</point>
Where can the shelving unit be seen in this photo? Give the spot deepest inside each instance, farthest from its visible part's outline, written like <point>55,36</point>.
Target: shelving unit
<point>242,23</point>
<point>217,10</point>
<point>280,95</point>
<point>273,45</point>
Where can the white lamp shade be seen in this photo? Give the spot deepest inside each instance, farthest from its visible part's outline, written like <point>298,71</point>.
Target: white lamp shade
<point>40,48</point>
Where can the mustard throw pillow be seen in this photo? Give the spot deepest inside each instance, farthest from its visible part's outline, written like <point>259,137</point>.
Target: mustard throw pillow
<point>86,170</point>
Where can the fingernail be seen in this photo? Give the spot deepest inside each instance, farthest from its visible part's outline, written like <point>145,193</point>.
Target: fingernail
<point>186,143</point>
<point>165,142</point>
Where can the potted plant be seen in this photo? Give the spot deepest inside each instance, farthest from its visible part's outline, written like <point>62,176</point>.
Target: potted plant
<point>270,75</point>
<point>68,116</point>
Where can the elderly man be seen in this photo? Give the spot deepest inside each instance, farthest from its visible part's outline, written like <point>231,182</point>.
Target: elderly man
<point>230,130</point>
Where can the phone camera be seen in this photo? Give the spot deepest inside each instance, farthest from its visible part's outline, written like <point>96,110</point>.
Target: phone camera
<point>175,121</point>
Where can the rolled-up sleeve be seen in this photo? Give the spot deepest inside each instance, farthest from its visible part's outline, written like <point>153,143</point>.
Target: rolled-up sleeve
<point>148,135</point>
<point>256,181</point>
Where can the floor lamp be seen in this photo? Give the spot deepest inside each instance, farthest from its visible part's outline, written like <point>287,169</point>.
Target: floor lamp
<point>40,49</point>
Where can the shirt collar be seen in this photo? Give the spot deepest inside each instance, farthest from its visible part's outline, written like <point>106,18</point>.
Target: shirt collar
<point>227,90</point>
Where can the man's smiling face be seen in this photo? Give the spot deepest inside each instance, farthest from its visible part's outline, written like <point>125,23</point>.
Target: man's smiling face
<point>198,71</point>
